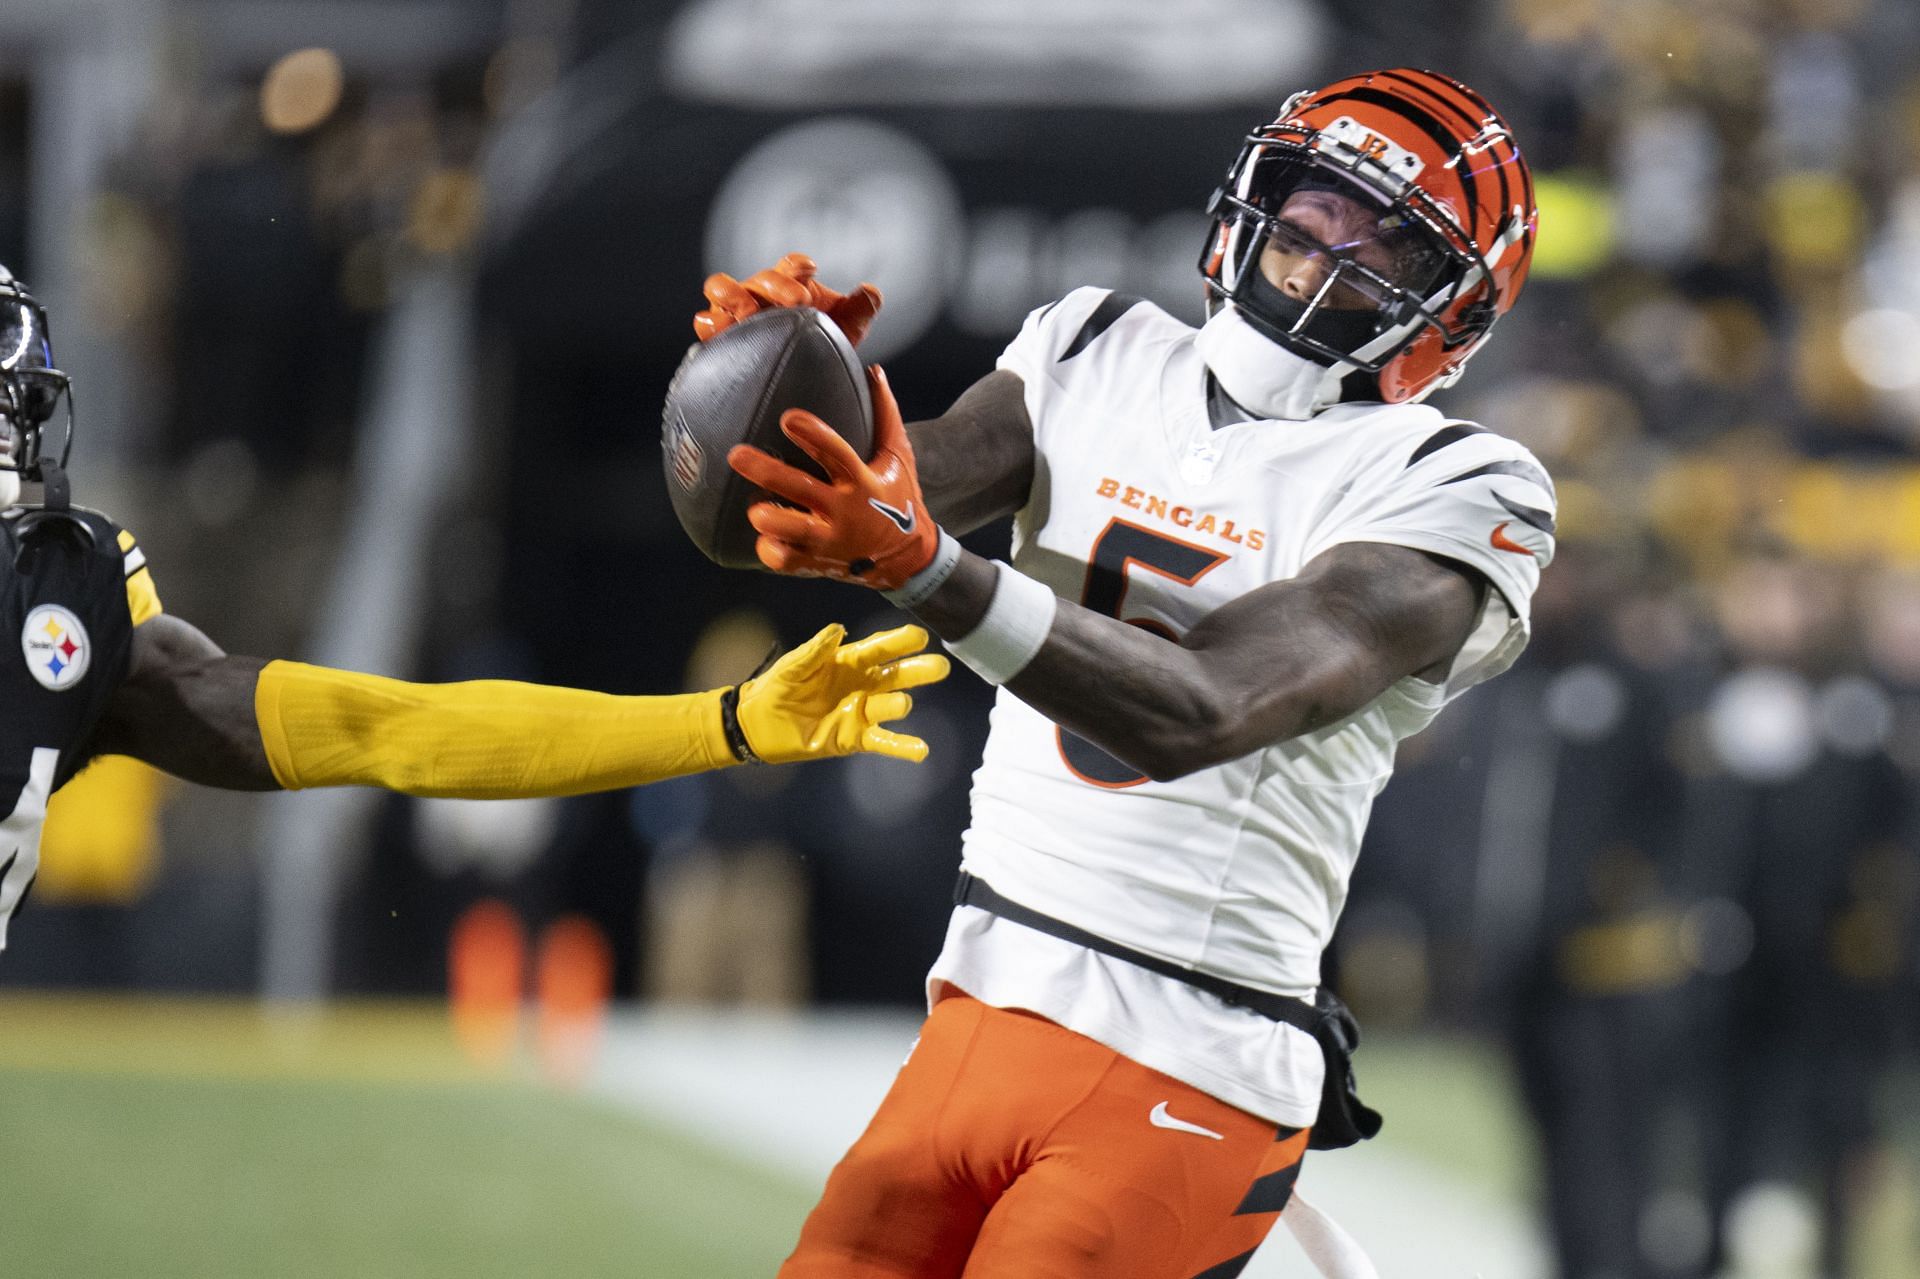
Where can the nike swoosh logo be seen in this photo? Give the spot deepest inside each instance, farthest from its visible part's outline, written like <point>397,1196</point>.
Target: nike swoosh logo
<point>1159,1118</point>
<point>905,520</point>
<point>1501,542</point>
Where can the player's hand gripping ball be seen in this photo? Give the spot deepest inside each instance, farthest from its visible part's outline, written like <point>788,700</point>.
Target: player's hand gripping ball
<point>734,390</point>
<point>867,523</point>
<point>790,282</point>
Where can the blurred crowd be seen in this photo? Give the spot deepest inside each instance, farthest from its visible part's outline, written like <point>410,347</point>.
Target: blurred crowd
<point>1690,912</point>
<point>1672,860</point>
<point>1694,913</point>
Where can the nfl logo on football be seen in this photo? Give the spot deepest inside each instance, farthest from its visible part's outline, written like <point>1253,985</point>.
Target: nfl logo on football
<point>683,451</point>
<point>56,647</point>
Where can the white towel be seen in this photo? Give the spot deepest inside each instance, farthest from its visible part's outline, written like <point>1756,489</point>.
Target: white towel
<point>1332,1250</point>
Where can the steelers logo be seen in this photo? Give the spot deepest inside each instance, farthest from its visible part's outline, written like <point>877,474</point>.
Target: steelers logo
<point>56,646</point>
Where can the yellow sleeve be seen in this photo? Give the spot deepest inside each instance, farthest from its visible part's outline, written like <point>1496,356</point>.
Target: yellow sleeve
<point>143,600</point>
<point>488,739</point>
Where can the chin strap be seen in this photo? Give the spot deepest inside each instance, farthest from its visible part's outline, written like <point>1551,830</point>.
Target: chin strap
<point>54,518</point>
<point>56,490</point>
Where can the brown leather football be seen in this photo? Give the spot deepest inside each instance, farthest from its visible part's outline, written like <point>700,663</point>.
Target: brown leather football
<point>732,390</point>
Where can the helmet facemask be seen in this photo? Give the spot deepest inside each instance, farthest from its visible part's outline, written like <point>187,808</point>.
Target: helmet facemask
<point>32,391</point>
<point>1400,266</point>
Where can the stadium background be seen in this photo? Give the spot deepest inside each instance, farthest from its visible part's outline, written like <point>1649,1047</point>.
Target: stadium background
<point>371,305</point>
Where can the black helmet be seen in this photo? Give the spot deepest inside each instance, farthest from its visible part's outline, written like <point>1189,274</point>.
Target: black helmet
<point>31,387</point>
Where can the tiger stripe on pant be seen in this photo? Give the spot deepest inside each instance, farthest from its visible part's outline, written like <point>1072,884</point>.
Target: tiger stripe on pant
<point>1010,1147</point>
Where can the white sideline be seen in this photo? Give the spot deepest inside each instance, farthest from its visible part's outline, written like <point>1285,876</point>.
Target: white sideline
<point>792,1091</point>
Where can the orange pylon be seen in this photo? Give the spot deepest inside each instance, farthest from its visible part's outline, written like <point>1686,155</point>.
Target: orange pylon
<point>573,980</point>
<point>486,968</point>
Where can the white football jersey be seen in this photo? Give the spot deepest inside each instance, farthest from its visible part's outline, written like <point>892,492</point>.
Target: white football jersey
<point>1142,510</point>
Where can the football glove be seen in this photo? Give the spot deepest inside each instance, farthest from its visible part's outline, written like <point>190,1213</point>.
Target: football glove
<point>826,698</point>
<point>789,283</point>
<point>865,523</point>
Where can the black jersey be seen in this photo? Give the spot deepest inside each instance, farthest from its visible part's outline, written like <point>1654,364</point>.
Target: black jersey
<point>68,607</point>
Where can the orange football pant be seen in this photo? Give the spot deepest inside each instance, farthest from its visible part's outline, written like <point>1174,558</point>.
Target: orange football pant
<point>1010,1147</point>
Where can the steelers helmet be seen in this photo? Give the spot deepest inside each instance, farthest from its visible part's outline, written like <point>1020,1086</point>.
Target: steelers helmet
<point>33,390</point>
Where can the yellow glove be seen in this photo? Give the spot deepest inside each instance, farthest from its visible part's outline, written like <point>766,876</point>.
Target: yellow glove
<point>826,698</point>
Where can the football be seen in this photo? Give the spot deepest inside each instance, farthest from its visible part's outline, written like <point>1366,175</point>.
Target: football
<point>732,390</point>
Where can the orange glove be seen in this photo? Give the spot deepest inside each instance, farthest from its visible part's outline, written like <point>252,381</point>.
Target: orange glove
<point>866,523</point>
<point>789,283</point>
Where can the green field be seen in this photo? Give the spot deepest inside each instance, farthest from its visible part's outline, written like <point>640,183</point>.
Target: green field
<point>167,1139</point>
<point>151,1138</point>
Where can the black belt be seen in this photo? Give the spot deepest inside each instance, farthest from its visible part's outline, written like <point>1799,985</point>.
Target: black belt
<point>972,891</point>
<point>1343,1119</point>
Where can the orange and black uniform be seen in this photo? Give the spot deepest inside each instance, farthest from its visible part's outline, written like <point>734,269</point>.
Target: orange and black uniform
<point>1010,1147</point>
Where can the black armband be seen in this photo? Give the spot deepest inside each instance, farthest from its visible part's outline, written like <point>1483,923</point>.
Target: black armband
<point>730,725</point>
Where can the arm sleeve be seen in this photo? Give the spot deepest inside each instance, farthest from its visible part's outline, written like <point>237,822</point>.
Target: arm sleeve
<point>1486,503</point>
<point>487,739</point>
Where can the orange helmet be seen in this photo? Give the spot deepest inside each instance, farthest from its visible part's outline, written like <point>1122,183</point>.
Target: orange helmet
<point>1446,246</point>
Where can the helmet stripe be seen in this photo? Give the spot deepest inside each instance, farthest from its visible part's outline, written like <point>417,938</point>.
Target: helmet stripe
<point>1479,113</point>
<point>1465,91</point>
<point>1468,116</point>
<point>1473,109</point>
<point>1437,89</point>
<point>1448,83</point>
<point>1427,124</point>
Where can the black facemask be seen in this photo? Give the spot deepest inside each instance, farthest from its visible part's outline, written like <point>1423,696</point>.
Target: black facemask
<point>1274,313</point>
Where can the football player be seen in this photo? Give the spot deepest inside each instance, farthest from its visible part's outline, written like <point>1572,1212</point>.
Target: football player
<point>1247,561</point>
<point>101,669</point>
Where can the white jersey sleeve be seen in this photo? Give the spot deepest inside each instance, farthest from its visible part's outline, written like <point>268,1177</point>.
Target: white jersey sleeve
<point>1048,331</point>
<point>1044,350</point>
<point>1475,497</point>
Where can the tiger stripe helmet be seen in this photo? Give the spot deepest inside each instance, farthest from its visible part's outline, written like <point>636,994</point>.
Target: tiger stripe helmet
<point>1455,210</point>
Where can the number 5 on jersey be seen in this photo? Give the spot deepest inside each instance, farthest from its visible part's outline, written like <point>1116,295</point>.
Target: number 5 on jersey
<point>1122,546</point>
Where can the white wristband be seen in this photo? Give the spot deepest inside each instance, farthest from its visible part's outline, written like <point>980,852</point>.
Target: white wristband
<point>919,588</point>
<point>1014,627</point>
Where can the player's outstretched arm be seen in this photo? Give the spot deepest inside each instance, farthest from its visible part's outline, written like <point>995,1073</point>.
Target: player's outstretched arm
<point>236,722</point>
<point>187,707</point>
<point>1273,664</point>
<point>1280,661</point>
